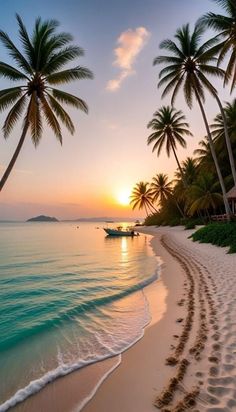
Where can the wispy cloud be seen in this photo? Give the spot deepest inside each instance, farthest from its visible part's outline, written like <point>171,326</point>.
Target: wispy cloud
<point>130,43</point>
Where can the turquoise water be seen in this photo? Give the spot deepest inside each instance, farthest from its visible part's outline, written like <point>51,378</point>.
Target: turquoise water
<point>66,300</point>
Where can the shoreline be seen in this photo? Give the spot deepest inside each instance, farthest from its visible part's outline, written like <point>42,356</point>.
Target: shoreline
<point>134,385</point>
<point>62,394</point>
<point>186,358</point>
<point>186,361</point>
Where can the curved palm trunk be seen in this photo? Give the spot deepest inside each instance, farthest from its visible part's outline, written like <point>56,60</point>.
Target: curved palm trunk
<point>227,139</point>
<point>226,203</point>
<point>145,207</point>
<point>14,157</point>
<point>177,161</point>
<point>151,206</point>
<point>178,206</point>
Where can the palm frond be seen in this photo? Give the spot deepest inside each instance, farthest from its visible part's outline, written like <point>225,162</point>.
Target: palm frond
<point>27,45</point>
<point>58,60</point>
<point>70,99</point>
<point>9,96</point>
<point>11,73</point>
<point>66,76</point>
<point>15,53</point>
<point>61,113</point>
<point>51,118</point>
<point>13,116</point>
<point>34,119</point>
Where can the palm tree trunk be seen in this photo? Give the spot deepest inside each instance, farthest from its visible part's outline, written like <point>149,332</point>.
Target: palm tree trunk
<point>151,206</point>
<point>14,157</point>
<point>146,209</point>
<point>178,206</point>
<point>227,139</point>
<point>226,203</point>
<point>177,160</point>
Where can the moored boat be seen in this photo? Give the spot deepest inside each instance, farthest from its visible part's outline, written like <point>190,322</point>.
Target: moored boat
<point>120,232</point>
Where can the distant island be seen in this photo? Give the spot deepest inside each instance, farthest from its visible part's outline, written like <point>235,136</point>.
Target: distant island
<point>103,219</point>
<point>42,218</point>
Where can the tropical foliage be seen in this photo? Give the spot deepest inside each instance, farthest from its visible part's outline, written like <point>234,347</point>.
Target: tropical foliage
<point>40,66</point>
<point>225,27</point>
<point>220,235</point>
<point>169,127</point>
<point>190,65</point>
<point>141,197</point>
<point>200,197</point>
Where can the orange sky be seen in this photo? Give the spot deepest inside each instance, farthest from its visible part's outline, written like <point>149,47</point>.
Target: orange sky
<point>108,153</point>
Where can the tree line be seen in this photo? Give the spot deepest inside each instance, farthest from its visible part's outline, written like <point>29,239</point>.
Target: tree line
<point>189,65</point>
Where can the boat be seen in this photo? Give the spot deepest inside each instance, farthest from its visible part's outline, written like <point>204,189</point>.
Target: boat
<point>120,232</point>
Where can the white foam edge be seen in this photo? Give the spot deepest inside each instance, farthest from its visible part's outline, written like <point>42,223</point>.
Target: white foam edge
<point>88,398</point>
<point>36,385</point>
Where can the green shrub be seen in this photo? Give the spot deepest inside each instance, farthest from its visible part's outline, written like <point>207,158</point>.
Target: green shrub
<point>220,234</point>
<point>190,225</point>
<point>175,221</point>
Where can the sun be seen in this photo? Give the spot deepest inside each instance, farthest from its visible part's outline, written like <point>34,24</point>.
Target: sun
<point>123,197</point>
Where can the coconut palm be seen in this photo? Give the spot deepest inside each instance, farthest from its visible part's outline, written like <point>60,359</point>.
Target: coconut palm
<point>190,170</point>
<point>204,194</point>
<point>162,191</point>
<point>203,150</point>
<point>161,188</point>
<point>218,126</point>
<point>141,197</point>
<point>169,128</point>
<point>225,26</point>
<point>39,65</point>
<point>187,66</point>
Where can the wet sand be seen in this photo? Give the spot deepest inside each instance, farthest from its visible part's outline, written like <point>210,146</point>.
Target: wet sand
<point>187,357</point>
<point>187,361</point>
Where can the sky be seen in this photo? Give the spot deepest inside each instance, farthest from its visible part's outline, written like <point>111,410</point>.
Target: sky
<point>94,170</point>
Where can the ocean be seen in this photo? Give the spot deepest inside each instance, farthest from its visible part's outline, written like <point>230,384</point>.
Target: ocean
<point>69,297</point>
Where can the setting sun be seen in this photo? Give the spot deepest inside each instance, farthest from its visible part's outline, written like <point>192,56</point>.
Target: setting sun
<point>123,197</point>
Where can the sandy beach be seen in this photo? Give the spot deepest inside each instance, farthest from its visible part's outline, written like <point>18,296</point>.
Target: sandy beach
<point>186,360</point>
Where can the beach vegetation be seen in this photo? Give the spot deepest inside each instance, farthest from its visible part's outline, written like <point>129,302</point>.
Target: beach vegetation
<point>40,65</point>
<point>225,27</point>
<point>220,234</point>
<point>141,198</point>
<point>188,64</point>
<point>169,128</point>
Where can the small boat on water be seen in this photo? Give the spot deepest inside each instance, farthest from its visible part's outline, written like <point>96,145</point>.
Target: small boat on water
<point>120,232</point>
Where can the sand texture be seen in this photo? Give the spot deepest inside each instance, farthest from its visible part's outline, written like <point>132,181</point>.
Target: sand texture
<point>187,361</point>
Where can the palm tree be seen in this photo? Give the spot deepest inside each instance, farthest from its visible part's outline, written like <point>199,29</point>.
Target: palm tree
<point>161,188</point>
<point>141,197</point>
<point>203,151</point>
<point>169,127</point>
<point>190,170</point>
<point>218,126</point>
<point>187,67</point>
<point>204,194</point>
<point>225,26</point>
<point>39,65</point>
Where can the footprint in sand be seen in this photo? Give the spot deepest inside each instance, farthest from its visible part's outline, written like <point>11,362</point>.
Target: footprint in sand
<point>231,404</point>
<point>214,371</point>
<point>228,367</point>
<point>226,380</point>
<point>219,390</point>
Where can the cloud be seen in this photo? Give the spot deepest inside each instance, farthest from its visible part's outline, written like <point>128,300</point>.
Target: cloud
<point>130,43</point>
